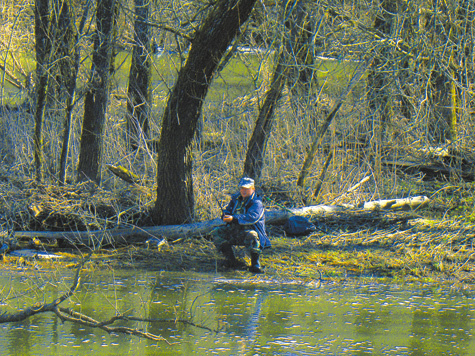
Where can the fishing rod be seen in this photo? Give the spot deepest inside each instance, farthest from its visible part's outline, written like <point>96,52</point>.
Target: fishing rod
<point>220,205</point>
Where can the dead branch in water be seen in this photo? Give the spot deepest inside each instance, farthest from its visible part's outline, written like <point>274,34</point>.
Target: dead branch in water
<point>68,314</point>
<point>45,307</point>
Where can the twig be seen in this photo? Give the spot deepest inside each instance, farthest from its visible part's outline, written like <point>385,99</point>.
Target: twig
<point>353,188</point>
<point>181,321</point>
<point>67,314</point>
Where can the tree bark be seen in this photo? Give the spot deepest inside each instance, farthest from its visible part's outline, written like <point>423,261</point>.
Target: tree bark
<point>67,38</point>
<point>69,60</point>
<point>443,125</point>
<point>43,47</point>
<point>139,95</point>
<point>257,144</point>
<point>317,143</point>
<point>444,34</point>
<point>95,104</point>
<point>300,54</point>
<point>175,198</point>
<point>291,68</point>
<point>318,139</point>
<point>379,104</point>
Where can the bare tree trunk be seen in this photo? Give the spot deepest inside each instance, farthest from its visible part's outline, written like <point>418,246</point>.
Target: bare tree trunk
<point>445,34</point>
<point>175,198</point>
<point>300,55</point>
<point>405,93</point>
<point>99,238</point>
<point>442,126</point>
<point>379,104</point>
<point>291,59</point>
<point>257,144</point>
<point>138,104</point>
<point>69,59</point>
<point>95,104</point>
<point>317,143</point>
<point>43,46</point>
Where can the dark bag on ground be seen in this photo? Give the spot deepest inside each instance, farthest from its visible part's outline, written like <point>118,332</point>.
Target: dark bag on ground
<point>298,226</point>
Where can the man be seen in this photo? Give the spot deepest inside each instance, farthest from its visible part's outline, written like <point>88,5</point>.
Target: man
<point>245,226</point>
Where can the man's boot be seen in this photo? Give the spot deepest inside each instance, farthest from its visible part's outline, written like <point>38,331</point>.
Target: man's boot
<point>255,264</point>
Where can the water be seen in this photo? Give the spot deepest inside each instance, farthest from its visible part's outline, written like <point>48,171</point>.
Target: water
<point>270,318</point>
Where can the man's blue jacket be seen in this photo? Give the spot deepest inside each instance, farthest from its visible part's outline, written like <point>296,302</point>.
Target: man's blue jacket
<point>252,217</point>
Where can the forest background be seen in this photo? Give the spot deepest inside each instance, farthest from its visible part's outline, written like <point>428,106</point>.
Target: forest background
<point>310,98</point>
<point>127,114</point>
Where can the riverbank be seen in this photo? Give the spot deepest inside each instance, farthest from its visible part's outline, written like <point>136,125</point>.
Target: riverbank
<point>416,250</point>
<point>432,244</point>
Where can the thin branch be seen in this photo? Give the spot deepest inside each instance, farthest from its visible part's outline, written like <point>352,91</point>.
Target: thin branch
<point>66,314</point>
<point>176,321</point>
<point>168,29</point>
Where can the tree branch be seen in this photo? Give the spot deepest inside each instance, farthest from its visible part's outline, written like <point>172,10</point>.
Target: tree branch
<point>67,314</point>
<point>168,29</point>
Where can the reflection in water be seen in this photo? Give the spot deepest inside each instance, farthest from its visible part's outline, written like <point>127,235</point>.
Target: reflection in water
<point>251,330</point>
<point>251,325</point>
<point>251,318</point>
<point>19,338</point>
<point>447,327</point>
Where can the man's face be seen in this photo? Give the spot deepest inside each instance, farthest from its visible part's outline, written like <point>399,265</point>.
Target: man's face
<point>246,192</point>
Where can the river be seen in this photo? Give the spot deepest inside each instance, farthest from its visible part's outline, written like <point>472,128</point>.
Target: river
<point>249,317</point>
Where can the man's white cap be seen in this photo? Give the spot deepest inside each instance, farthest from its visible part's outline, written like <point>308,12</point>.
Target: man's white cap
<point>246,183</point>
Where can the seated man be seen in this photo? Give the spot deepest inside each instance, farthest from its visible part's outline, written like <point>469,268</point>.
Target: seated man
<point>245,226</point>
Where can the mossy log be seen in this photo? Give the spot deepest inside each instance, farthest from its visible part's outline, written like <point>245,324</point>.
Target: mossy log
<point>173,232</point>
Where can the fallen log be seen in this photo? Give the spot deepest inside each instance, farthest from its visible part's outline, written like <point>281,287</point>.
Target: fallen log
<point>396,204</point>
<point>137,234</point>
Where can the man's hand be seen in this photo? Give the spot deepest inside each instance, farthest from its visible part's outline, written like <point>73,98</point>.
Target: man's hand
<point>227,218</point>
